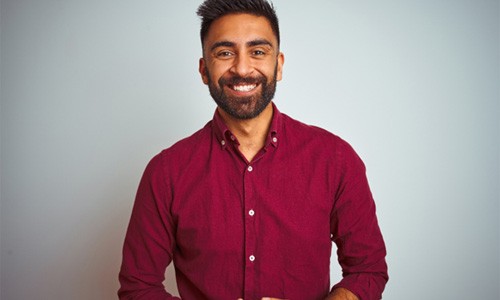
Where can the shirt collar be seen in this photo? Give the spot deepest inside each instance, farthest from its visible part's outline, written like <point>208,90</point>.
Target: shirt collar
<point>224,135</point>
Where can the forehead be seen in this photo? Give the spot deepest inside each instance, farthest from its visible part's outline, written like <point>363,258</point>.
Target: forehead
<point>239,29</point>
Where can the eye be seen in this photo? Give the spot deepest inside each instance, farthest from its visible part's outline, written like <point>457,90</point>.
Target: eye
<point>258,53</point>
<point>224,54</point>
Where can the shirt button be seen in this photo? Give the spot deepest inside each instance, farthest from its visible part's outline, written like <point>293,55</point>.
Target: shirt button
<point>251,212</point>
<point>275,139</point>
<point>251,258</point>
<point>222,142</point>
<point>250,169</point>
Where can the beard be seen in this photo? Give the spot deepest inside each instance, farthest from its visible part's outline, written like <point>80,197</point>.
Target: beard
<point>243,108</point>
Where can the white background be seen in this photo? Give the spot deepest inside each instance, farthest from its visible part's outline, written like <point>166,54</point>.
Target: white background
<point>91,90</point>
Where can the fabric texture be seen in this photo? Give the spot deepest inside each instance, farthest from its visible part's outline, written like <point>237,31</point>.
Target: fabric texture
<point>239,229</point>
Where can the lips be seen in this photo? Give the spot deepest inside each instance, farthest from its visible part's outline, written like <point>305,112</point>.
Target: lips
<point>243,87</point>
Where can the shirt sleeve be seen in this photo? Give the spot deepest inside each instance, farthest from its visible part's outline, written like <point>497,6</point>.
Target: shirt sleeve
<point>360,246</point>
<point>149,241</point>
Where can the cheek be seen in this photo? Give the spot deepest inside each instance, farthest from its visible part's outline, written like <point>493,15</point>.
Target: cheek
<point>217,72</point>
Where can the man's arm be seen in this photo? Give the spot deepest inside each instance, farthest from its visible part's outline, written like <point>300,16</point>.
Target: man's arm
<point>354,228</point>
<point>147,250</point>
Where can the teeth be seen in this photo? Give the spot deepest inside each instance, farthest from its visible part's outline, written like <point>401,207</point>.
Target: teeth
<point>244,88</point>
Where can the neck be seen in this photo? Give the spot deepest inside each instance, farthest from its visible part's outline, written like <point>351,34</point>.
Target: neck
<point>250,133</point>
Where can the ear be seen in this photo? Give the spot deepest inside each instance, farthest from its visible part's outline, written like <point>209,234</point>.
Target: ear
<point>279,69</point>
<point>202,68</point>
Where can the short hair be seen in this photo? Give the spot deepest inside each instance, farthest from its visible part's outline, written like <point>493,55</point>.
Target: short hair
<point>211,10</point>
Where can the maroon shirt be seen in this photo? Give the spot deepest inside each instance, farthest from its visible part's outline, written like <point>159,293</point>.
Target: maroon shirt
<point>265,228</point>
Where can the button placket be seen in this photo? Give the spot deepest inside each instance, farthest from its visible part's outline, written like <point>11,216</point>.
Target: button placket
<point>250,233</point>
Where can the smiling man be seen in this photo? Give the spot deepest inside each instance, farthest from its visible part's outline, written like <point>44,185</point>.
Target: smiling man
<point>248,206</point>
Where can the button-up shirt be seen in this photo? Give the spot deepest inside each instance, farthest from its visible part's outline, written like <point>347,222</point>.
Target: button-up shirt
<point>240,229</point>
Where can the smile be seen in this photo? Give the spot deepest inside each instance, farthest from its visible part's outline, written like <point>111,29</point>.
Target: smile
<point>244,88</point>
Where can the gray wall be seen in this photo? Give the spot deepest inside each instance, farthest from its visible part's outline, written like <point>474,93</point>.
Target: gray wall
<point>91,90</point>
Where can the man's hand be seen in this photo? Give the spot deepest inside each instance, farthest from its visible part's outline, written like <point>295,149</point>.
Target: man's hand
<point>266,298</point>
<point>341,294</point>
<point>338,294</point>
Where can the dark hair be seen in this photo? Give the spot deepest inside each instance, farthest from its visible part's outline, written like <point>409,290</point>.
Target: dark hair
<point>211,10</point>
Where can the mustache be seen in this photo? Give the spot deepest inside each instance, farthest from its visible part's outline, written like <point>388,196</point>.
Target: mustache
<point>239,80</point>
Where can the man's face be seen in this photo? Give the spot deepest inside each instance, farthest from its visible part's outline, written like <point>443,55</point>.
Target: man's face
<point>241,64</point>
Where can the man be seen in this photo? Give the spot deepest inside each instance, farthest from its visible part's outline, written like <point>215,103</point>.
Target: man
<point>248,206</point>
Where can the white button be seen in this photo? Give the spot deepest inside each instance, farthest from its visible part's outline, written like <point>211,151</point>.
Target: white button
<point>232,138</point>
<point>251,258</point>
<point>250,169</point>
<point>223,142</point>
<point>275,139</point>
<point>251,212</point>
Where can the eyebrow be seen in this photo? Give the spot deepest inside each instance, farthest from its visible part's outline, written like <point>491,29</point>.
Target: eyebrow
<point>222,44</point>
<point>253,43</point>
<point>259,42</point>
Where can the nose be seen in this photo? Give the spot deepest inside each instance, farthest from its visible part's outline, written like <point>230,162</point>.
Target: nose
<point>242,66</point>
